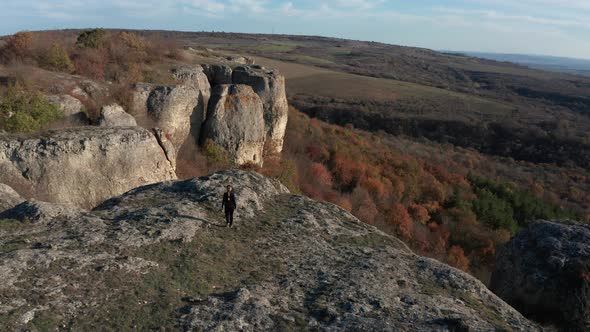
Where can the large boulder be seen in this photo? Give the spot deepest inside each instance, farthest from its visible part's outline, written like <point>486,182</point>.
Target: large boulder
<point>179,110</point>
<point>71,108</point>
<point>139,98</point>
<point>544,272</point>
<point>115,116</point>
<point>82,166</point>
<point>218,74</point>
<point>193,76</point>
<point>236,123</point>
<point>270,86</point>
<point>67,104</point>
<point>175,109</point>
<point>9,198</point>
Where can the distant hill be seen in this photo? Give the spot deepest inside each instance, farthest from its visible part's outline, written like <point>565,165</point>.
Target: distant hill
<point>553,63</point>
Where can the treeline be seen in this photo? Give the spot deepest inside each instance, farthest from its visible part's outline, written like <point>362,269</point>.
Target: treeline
<point>531,144</point>
<point>116,56</point>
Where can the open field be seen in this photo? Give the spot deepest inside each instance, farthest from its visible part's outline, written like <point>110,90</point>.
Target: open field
<point>310,80</point>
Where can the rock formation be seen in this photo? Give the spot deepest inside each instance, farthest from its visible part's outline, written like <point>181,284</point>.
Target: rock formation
<point>9,198</point>
<point>218,74</point>
<point>239,59</point>
<point>270,86</point>
<point>172,107</point>
<point>179,110</point>
<point>235,121</point>
<point>139,98</point>
<point>115,116</point>
<point>544,272</point>
<point>156,258</point>
<point>184,108</point>
<point>82,166</point>
<point>66,103</point>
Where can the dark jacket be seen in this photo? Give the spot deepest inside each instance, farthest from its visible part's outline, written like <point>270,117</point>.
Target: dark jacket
<point>229,202</point>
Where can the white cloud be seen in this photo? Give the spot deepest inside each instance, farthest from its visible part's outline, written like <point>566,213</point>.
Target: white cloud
<point>253,6</point>
<point>289,9</point>
<point>494,15</point>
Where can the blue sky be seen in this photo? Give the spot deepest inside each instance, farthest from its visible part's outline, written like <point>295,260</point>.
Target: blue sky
<point>549,27</point>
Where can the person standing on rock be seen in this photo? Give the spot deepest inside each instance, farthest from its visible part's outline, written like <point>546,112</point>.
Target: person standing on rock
<point>229,203</point>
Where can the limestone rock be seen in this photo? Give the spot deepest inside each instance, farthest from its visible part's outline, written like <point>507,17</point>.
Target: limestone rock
<point>9,198</point>
<point>78,92</point>
<point>218,74</point>
<point>115,116</point>
<point>66,103</point>
<point>179,110</point>
<point>166,145</point>
<point>193,76</point>
<point>82,166</point>
<point>270,86</point>
<point>139,98</point>
<point>40,212</point>
<point>70,107</point>
<point>236,123</point>
<point>239,59</point>
<point>174,109</point>
<point>89,89</point>
<point>290,264</point>
<point>544,272</point>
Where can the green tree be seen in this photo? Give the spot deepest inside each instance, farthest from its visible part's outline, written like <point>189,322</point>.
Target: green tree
<point>91,38</point>
<point>25,112</point>
<point>57,59</point>
<point>215,153</point>
<point>494,199</point>
<point>494,211</point>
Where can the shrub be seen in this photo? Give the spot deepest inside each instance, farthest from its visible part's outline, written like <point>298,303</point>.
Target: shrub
<point>91,38</point>
<point>287,174</point>
<point>132,40</point>
<point>317,153</point>
<point>57,59</point>
<point>320,174</point>
<point>91,63</point>
<point>215,153</point>
<point>25,112</point>
<point>17,46</point>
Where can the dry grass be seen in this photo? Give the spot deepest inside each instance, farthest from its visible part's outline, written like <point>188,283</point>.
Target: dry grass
<point>310,80</point>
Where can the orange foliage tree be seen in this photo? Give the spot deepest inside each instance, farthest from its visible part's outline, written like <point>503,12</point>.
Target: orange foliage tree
<point>363,206</point>
<point>399,217</point>
<point>320,174</point>
<point>419,213</point>
<point>456,257</point>
<point>17,47</point>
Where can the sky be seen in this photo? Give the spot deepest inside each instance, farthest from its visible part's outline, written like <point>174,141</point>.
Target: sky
<point>542,27</point>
